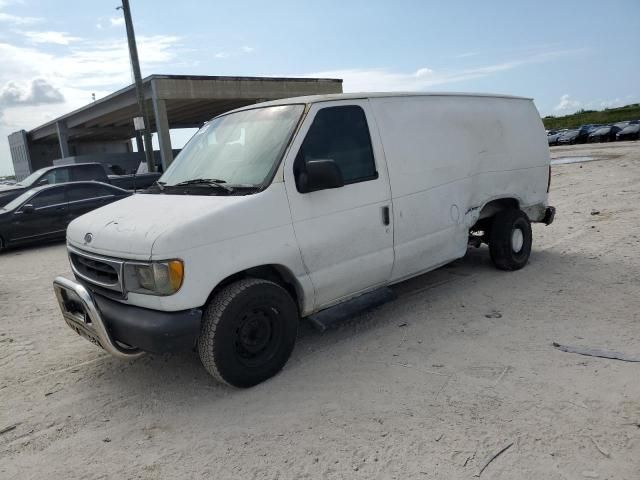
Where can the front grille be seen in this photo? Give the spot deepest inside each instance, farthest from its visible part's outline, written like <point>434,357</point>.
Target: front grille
<point>104,272</point>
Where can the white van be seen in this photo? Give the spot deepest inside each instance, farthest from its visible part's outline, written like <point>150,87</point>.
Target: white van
<point>278,210</point>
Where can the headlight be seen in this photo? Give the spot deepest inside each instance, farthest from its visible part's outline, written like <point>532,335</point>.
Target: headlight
<point>154,278</point>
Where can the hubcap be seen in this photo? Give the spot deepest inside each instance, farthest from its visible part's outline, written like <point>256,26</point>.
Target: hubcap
<point>517,240</point>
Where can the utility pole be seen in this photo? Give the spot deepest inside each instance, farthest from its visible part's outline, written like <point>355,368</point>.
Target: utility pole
<point>135,65</point>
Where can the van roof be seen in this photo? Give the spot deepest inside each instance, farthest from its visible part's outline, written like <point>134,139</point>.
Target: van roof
<point>363,95</point>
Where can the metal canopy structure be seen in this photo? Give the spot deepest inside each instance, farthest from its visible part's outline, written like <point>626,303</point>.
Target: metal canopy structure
<point>177,101</point>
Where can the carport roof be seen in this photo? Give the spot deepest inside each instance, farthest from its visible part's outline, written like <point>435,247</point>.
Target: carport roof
<point>189,100</point>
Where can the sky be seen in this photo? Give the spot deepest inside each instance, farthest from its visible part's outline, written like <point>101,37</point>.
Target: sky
<point>54,54</point>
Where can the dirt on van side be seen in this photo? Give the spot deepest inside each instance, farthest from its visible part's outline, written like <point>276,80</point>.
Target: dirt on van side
<point>431,385</point>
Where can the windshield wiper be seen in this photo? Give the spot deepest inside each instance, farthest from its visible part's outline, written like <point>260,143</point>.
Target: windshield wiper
<point>210,182</point>
<point>159,184</point>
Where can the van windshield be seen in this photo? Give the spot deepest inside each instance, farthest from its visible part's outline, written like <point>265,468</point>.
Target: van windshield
<point>240,149</point>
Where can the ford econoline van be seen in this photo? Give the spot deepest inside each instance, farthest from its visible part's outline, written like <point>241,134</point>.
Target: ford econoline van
<point>278,210</point>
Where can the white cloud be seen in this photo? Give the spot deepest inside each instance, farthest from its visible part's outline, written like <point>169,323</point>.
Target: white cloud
<point>38,92</point>
<point>466,55</point>
<point>18,20</point>
<point>612,103</point>
<point>566,103</point>
<point>81,69</point>
<point>244,50</point>
<point>58,38</point>
<point>380,79</point>
<point>116,21</point>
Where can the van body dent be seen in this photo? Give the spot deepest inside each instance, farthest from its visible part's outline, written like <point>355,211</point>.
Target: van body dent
<point>278,210</point>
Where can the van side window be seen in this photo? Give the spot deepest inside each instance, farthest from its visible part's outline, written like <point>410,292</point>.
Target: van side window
<point>340,134</point>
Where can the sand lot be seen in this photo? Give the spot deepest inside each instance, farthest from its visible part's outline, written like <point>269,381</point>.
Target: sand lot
<point>431,385</point>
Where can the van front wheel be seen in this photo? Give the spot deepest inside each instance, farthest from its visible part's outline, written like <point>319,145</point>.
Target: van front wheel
<point>248,332</point>
<point>510,240</point>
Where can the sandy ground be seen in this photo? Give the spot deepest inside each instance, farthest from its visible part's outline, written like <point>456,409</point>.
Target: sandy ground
<point>431,385</point>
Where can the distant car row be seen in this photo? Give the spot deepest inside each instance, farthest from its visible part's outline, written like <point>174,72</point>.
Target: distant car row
<point>40,207</point>
<point>595,133</point>
<point>75,173</point>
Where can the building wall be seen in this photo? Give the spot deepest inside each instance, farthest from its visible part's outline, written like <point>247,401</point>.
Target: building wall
<point>42,154</point>
<point>86,148</point>
<point>19,147</point>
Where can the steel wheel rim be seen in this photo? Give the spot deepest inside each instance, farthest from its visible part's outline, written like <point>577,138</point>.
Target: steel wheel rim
<point>257,336</point>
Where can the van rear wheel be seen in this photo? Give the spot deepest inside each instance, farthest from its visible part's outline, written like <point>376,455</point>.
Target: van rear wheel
<point>510,240</point>
<point>248,332</point>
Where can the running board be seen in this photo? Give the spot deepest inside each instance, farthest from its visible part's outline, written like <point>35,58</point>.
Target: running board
<point>331,316</point>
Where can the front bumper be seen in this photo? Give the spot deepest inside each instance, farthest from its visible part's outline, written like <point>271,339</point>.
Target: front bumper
<point>125,331</point>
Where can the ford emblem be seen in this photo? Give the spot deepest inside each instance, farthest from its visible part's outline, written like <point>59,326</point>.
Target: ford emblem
<point>88,237</point>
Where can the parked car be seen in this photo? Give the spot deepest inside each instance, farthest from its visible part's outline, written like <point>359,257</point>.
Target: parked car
<point>54,175</point>
<point>132,181</point>
<point>327,197</point>
<point>630,132</point>
<point>553,138</point>
<point>569,137</point>
<point>73,173</point>
<point>43,213</point>
<point>604,134</point>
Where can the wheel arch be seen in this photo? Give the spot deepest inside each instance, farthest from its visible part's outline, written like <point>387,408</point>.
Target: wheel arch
<point>276,273</point>
<point>496,205</point>
<point>483,215</point>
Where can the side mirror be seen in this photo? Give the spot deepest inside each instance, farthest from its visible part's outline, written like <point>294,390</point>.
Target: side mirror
<point>320,175</point>
<point>28,208</point>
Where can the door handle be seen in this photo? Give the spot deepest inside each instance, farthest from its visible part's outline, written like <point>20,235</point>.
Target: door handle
<point>385,215</point>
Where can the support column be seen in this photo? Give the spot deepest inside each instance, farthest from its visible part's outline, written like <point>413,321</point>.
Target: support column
<point>139,144</point>
<point>63,139</point>
<point>162,127</point>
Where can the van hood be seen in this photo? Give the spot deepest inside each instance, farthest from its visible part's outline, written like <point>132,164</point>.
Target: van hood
<point>128,228</point>
<point>157,226</point>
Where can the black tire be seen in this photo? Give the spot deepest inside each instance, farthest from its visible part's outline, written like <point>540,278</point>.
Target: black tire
<point>504,254</point>
<point>1,244</point>
<point>248,332</point>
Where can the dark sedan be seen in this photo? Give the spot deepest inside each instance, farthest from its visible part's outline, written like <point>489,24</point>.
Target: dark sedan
<point>43,213</point>
<point>568,138</point>
<point>630,132</point>
<point>604,134</point>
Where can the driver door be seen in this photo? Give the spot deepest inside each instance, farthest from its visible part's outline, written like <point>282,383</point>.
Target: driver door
<point>345,234</point>
<point>46,220</point>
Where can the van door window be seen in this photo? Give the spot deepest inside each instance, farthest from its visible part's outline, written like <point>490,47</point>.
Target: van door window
<point>340,134</point>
